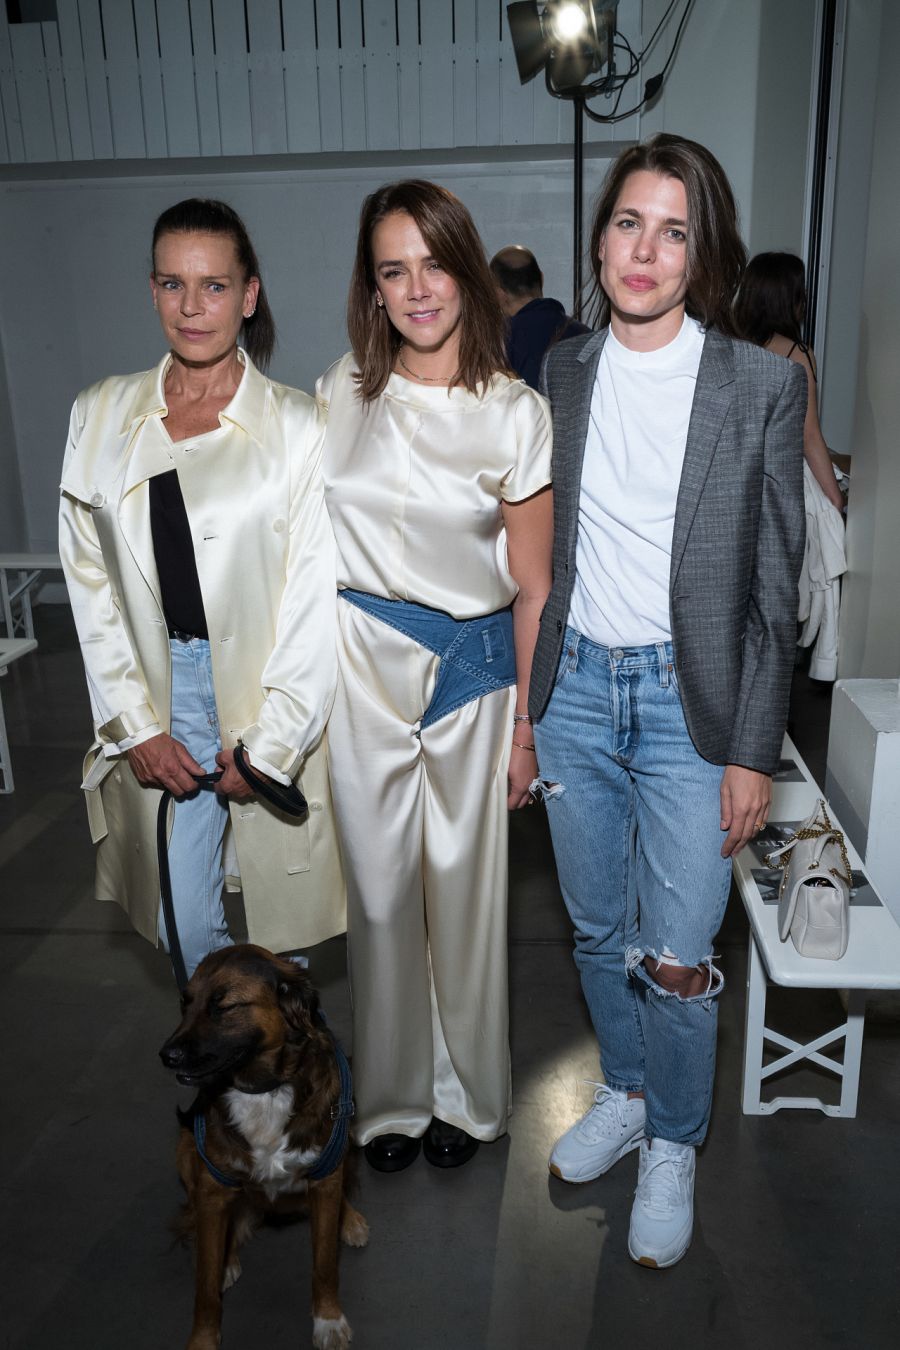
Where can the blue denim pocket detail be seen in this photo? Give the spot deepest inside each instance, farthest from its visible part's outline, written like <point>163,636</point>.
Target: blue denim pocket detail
<point>494,644</point>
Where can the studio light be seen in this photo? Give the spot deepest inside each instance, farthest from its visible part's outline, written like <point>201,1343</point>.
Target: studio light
<point>568,22</point>
<point>571,40</point>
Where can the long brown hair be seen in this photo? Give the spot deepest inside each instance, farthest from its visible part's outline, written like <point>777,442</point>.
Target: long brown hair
<point>204,215</point>
<point>453,241</point>
<point>716,255</point>
<point>772,298</point>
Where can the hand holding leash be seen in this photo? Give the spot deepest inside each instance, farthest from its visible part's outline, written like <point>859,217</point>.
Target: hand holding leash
<point>163,762</point>
<point>232,784</point>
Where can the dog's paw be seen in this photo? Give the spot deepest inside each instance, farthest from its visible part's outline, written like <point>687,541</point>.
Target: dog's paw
<point>354,1229</point>
<point>331,1333</point>
<point>232,1274</point>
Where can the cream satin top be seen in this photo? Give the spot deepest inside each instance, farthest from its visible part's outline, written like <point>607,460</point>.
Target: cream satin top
<point>414,482</point>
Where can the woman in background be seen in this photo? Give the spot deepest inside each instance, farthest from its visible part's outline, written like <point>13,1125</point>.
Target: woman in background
<point>200,567</point>
<point>437,465</point>
<point>769,310</point>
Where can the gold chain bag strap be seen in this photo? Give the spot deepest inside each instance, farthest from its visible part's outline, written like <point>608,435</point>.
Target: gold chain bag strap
<point>814,898</point>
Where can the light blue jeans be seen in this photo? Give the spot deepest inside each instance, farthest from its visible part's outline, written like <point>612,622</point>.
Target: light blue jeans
<point>634,816</point>
<point>198,828</point>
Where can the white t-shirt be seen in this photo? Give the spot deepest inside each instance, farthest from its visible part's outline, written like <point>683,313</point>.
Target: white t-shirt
<point>640,410</point>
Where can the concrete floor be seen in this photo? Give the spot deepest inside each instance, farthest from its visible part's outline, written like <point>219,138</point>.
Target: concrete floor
<point>796,1235</point>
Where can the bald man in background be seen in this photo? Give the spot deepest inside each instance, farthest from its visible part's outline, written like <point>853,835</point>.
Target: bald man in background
<point>534,323</point>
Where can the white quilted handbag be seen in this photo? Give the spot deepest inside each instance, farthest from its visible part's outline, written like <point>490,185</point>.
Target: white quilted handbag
<point>814,899</point>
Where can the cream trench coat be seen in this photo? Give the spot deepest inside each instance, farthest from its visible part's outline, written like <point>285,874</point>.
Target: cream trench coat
<point>265,559</point>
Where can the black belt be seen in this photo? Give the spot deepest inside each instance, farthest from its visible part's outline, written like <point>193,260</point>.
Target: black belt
<point>286,797</point>
<point>181,636</point>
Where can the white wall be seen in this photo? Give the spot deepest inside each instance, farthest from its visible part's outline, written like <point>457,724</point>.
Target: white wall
<point>788,41</point>
<point>74,259</point>
<point>13,534</point>
<point>841,351</point>
<point>870,618</point>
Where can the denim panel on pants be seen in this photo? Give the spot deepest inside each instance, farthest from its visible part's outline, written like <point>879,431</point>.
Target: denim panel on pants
<point>198,825</point>
<point>634,817</point>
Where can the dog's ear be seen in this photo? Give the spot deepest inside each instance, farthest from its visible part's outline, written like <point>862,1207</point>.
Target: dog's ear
<point>298,1000</point>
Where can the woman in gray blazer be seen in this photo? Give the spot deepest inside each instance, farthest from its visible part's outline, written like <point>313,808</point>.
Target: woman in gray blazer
<point>662,671</point>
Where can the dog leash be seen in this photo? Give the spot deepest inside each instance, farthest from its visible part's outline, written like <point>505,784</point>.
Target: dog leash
<point>340,1114</point>
<point>206,782</point>
<point>285,797</point>
<point>333,1151</point>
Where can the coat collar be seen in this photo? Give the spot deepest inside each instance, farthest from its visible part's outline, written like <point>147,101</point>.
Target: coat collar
<point>571,429</point>
<point>246,410</point>
<point>712,399</point>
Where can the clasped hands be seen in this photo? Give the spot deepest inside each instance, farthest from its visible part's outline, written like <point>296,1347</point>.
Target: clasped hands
<point>164,762</point>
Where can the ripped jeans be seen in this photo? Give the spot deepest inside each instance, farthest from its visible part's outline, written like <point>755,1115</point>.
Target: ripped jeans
<point>634,816</point>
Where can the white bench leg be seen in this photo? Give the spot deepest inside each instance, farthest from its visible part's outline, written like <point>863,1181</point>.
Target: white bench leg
<point>26,619</point>
<point>17,615</point>
<point>754,1031</point>
<point>853,1039</point>
<point>756,1034</point>
<point>6,778</point>
<point>7,603</point>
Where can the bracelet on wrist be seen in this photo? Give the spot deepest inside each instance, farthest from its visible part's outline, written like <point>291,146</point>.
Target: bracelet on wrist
<point>520,746</point>
<point>522,717</point>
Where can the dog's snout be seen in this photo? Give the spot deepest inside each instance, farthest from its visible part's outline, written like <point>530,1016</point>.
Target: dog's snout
<point>172,1055</point>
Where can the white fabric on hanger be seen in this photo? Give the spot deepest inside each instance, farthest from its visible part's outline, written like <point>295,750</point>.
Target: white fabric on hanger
<point>824,562</point>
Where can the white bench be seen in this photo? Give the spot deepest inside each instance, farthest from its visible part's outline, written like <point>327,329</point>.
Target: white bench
<point>18,573</point>
<point>871,961</point>
<point>10,650</point>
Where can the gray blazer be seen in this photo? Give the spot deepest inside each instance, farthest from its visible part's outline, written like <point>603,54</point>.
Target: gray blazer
<point>736,549</point>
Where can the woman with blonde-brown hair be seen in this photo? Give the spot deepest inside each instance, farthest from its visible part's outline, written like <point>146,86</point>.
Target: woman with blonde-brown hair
<point>437,465</point>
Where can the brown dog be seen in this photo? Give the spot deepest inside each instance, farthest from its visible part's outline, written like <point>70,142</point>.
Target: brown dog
<point>271,1109</point>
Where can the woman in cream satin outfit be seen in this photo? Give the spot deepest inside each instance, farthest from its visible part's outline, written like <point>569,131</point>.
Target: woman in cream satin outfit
<point>436,470</point>
<point>200,566</point>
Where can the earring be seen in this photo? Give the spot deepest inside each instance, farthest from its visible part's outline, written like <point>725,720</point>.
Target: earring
<point>379,302</point>
<point>252,312</point>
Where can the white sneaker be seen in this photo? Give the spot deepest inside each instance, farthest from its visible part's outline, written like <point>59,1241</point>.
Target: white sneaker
<point>662,1216</point>
<point>611,1128</point>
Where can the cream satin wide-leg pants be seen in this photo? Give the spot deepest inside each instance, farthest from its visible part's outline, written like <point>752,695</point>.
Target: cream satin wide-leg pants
<point>423,825</point>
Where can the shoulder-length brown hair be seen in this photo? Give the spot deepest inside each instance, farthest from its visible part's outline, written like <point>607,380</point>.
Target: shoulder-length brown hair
<point>716,255</point>
<point>772,298</point>
<point>453,241</point>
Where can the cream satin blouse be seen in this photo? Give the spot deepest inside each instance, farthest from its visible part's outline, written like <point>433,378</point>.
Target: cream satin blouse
<point>414,482</point>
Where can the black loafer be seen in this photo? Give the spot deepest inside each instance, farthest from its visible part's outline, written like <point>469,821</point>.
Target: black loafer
<point>448,1145</point>
<point>392,1152</point>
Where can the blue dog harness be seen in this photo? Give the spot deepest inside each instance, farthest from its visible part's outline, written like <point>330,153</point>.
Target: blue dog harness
<point>333,1151</point>
<point>477,655</point>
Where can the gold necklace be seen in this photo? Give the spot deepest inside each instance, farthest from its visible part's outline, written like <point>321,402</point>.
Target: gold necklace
<point>427,379</point>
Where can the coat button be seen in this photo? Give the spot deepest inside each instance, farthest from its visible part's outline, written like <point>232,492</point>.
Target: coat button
<point>97,499</point>
<point>279,525</point>
<point>559,625</point>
